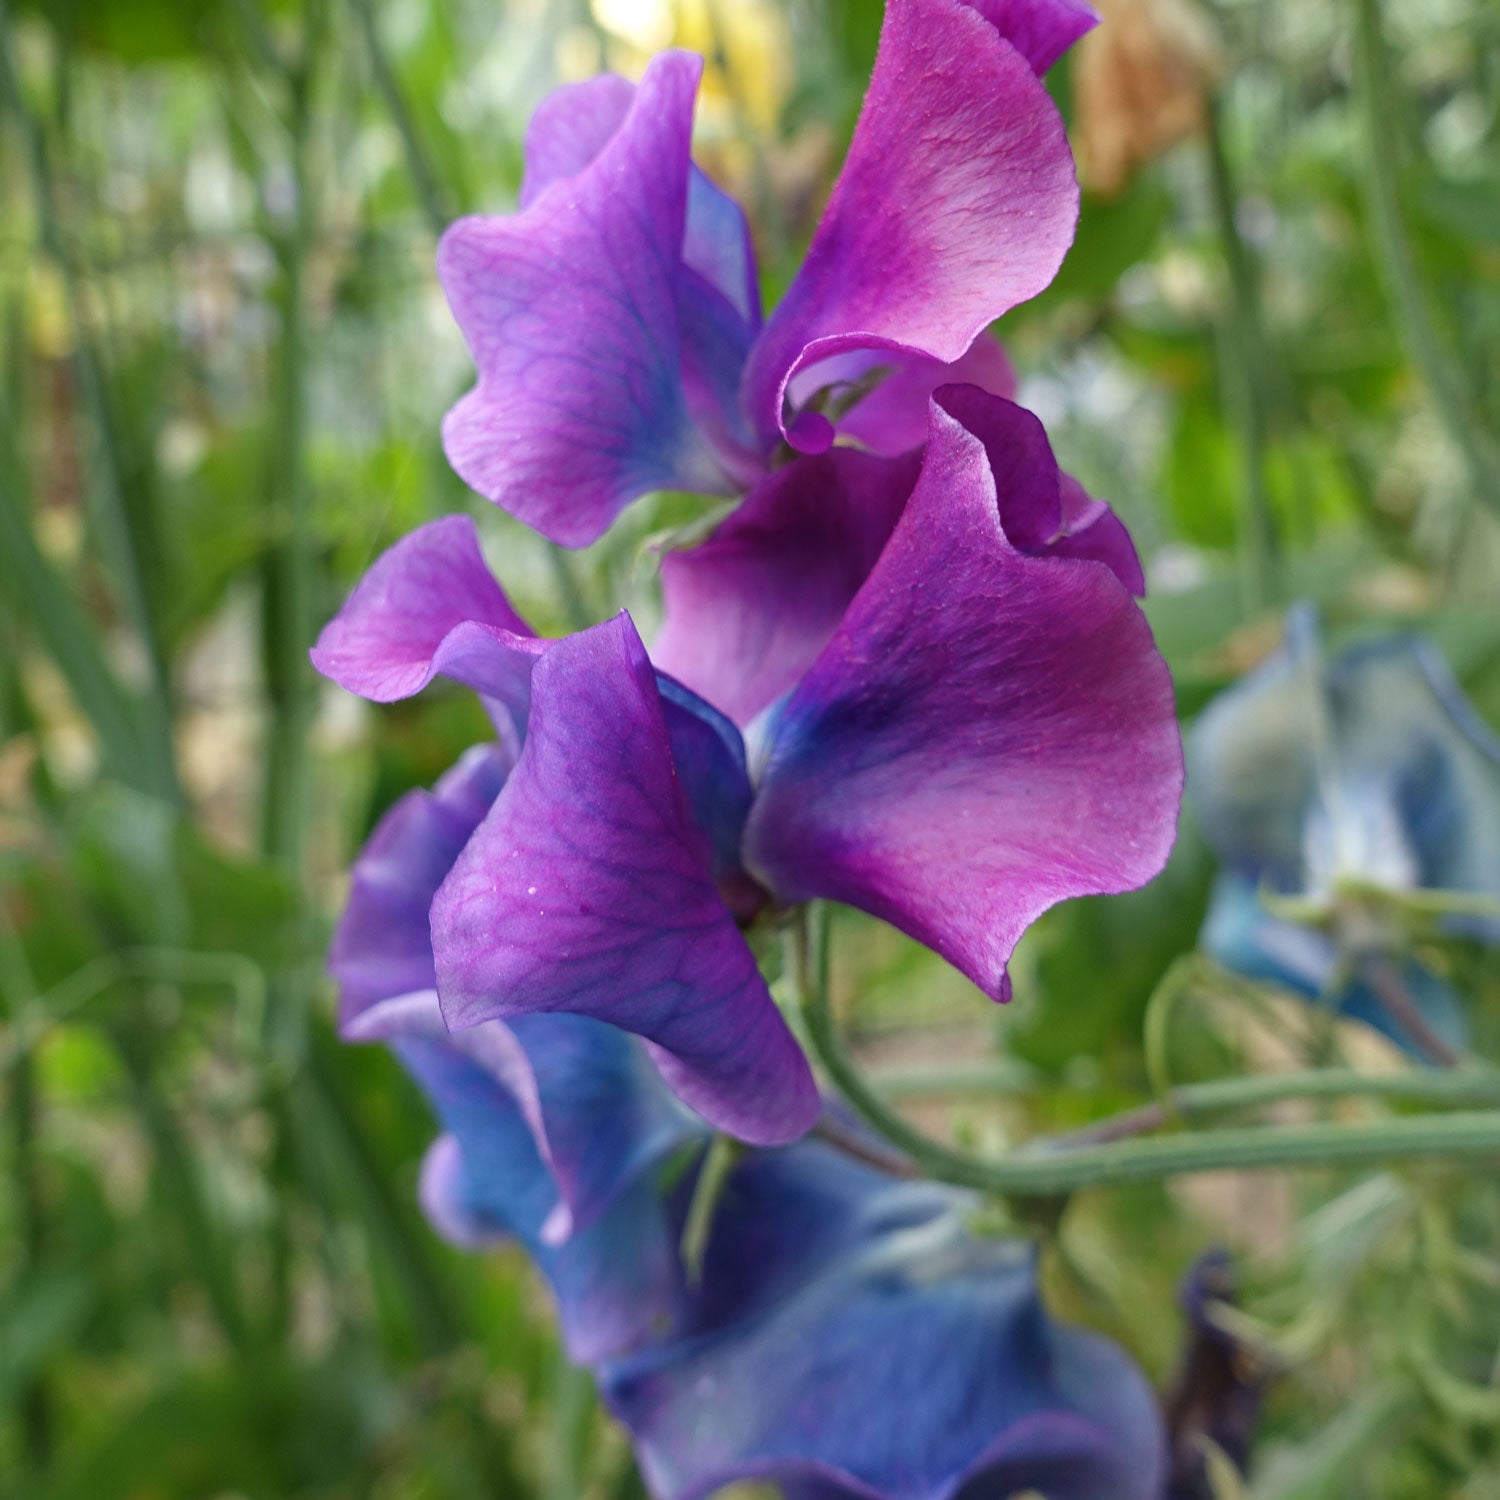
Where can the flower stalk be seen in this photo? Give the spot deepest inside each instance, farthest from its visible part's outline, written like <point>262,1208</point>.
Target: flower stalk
<point>1045,1168</point>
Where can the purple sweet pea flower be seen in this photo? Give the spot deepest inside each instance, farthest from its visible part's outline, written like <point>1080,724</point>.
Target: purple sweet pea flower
<point>615,319</point>
<point>850,1339</point>
<point>959,719</point>
<point>556,1127</point>
<point>583,1091</point>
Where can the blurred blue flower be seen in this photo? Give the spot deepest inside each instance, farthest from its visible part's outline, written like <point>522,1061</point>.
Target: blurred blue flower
<point>1348,786</point>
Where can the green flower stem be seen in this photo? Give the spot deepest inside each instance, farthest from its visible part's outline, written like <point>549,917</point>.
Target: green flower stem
<point>288,565</point>
<point>718,1162</point>
<point>1458,1086</point>
<point>424,179</point>
<point>1472,1086</point>
<point>43,600</point>
<point>1048,1168</point>
<point>1454,404</point>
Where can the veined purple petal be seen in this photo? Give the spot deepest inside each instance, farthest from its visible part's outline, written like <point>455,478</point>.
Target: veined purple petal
<point>429,606</point>
<point>748,611</point>
<point>590,890</point>
<point>892,418</point>
<point>596,1111</point>
<point>570,309</point>
<point>850,1340</point>
<point>986,734</point>
<point>957,201</point>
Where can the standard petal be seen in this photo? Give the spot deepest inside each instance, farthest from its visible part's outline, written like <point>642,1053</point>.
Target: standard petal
<point>986,734</point>
<point>589,889</point>
<point>957,201</point>
<point>570,309</point>
<point>429,605</point>
<point>849,1338</point>
<point>748,611</point>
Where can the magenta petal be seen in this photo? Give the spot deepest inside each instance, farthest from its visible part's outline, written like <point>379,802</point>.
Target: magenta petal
<point>1044,511</point>
<point>429,605</point>
<point>957,201</point>
<point>986,734</point>
<point>893,417</point>
<point>1040,30</point>
<point>589,890</point>
<point>748,611</point>
<point>570,309</point>
<point>1092,530</point>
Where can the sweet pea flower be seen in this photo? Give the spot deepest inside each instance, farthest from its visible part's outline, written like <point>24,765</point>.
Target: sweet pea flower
<point>849,1338</point>
<point>556,1127</point>
<point>1333,782</point>
<point>950,714</point>
<point>774,1359</point>
<point>615,318</point>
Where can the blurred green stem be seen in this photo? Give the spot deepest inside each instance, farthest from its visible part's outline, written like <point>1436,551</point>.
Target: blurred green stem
<point>424,178</point>
<point>112,516</point>
<point>1048,1167</point>
<point>18,992</point>
<point>1381,162</point>
<point>43,599</point>
<point>288,569</point>
<point>1246,372</point>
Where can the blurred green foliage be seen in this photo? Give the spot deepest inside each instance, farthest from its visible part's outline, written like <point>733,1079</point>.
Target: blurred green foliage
<point>1277,350</point>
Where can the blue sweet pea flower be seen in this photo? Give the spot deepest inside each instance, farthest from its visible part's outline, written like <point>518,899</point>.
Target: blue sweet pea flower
<point>1331,792</point>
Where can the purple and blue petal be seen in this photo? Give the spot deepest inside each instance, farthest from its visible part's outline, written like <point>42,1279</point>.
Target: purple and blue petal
<point>589,889</point>
<point>616,1279</point>
<point>571,310</point>
<point>596,1112</point>
<point>956,202</point>
<point>850,1338</point>
<point>987,733</point>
